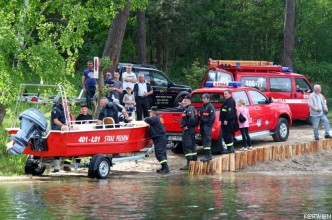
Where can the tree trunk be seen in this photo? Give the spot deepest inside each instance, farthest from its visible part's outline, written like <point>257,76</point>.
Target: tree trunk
<point>115,36</point>
<point>2,112</point>
<point>141,37</point>
<point>113,45</point>
<point>289,34</point>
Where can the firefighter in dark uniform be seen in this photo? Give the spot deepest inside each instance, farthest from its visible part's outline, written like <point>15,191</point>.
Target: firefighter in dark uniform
<point>158,134</point>
<point>207,116</point>
<point>188,125</point>
<point>227,118</point>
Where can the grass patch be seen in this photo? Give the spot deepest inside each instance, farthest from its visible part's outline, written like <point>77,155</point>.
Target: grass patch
<point>10,165</point>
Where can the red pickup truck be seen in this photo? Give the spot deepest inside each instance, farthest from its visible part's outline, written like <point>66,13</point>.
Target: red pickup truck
<point>267,117</point>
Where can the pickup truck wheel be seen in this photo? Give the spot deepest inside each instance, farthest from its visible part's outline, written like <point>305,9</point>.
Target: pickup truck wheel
<point>216,145</point>
<point>178,149</point>
<point>282,130</point>
<point>179,98</point>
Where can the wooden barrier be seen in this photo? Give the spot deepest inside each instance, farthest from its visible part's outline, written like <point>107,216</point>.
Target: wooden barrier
<point>241,159</point>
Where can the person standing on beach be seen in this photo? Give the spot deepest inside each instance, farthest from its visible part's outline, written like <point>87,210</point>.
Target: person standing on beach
<point>158,134</point>
<point>318,111</point>
<point>207,116</point>
<point>243,116</point>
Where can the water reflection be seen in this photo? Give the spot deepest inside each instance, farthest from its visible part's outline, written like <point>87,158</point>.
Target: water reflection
<point>230,196</point>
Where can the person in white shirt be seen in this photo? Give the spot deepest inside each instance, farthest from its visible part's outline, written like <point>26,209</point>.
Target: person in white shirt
<point>143,92</point>
<point>318,111</point>
<point>129,79</point>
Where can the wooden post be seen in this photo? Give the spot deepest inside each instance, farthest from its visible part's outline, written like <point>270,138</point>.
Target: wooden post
<point>281,153</point>
<point>287,151</point>
<point>267,153</point>
<point>232,162</point>
<point>237,159</point>
<point>243,162</point>
<point>254,156</point>
<point>249,157</point>
<point>274,152</point>
<point>225,163</point>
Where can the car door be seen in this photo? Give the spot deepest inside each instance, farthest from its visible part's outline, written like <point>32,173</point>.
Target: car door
<point>262,118</point>
<point>163,93</point>
<point>252,109</point>
<point>301,95</point>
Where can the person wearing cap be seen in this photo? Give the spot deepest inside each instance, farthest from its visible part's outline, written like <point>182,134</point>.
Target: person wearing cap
<point>129,100</point>
<point>89,83</point>
<point>318,111</point>
<point>143,92</point>
<point>207,116</point>
<point>227,118</point>
<point>84,117</point>
<point>158,134</point>
<point>188,125</point>
<point>58,115</point>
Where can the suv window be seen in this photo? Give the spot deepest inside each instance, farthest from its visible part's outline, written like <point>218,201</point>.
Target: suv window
<point>159,80</point>
<point>257,82</point>
<point>241,95</point>
<point>302,85</point>
<point>280,84</point>
<point>257,98</point>
<point>146,73</point>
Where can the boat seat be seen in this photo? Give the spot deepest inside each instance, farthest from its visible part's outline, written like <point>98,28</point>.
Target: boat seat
<point>108,121</point>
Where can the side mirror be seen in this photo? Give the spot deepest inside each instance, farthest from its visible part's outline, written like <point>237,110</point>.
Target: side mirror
<point>270,100</point>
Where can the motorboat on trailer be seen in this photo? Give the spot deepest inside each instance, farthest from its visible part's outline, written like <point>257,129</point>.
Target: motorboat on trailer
<point>52,148</point>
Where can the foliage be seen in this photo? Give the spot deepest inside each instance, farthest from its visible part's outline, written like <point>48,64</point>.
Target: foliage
<point>195,74</point>
<point>318,73</point>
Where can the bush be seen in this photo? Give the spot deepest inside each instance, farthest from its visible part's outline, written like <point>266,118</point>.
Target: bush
<point>10,164</point>
<point>195,74</point>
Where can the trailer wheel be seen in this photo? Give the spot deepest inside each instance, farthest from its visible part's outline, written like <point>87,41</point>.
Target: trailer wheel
<point>34,167</point>
<point>103,168</point>
<point>282,130</point>
<point>99,167</point>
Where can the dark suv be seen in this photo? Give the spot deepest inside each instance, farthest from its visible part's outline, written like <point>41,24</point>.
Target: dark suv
<point>165,92</point>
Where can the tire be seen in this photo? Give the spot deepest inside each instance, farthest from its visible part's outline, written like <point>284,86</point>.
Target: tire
<point>34,167</point>
<point>103,168</point>
<point>179,98</point>
<point>282,130</point>
<point>99,167</point>
<point>216,145</point>
<point>178,149</point>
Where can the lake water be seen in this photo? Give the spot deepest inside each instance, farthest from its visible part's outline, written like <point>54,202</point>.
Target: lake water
<point>148,196</point>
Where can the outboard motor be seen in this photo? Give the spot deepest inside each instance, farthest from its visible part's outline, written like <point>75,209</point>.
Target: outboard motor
<point>33,123</point>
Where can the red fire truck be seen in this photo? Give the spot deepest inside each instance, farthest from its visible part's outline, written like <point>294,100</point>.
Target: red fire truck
<point>277,82</point>
<point>267,117</point>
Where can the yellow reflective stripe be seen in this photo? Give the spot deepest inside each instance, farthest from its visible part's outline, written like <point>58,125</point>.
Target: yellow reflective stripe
<point>67,160</point>
<point>224,110</point>
<point>163,161</point>
<point>230,144</point>
<point>190,154</point>
<point>207,148</point>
